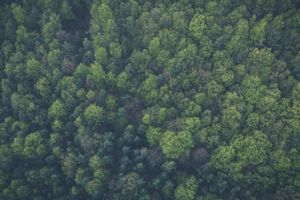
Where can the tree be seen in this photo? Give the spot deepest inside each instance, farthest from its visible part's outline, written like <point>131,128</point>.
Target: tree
<point>295,65</point>
<point>153,135</point>
<point>192,124</point>
<point>22,103</point>
<point>175,144</point>
<point>186,100</point>
<point>148,89</point>
<point>197,26</point>
<point>154,47</point>
<point>43,87</point>
<point>34,145</point>
<point>115,50</point>
<point>17,189</point>
<point>244,156</point>
<point>131,183</point>
<point>69,165</point>
<point>33,68</point>
<point>252,89</point>
<point>66,10</point>
<point>274,32</point>
<point>96,76</point>
<point>94,115</point>
<point>122,81</point>
<point>101,56</point>
<point>154,157</point>
<point>57,110</point>
<point>51,27</point>
<point>258,32</point>
<point>187,190</point>
<point>96,184</point>
<point>54,58</point>
<point>237,46</point>
<point>18,12</point>
<point>93,188</point>
<point>260,63</point>
<point>231,118</point>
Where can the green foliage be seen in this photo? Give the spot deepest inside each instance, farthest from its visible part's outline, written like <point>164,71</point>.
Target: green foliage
<point>192,124</point>
<point>154,47</point>
<point>231,118</point>
<point>187,190</point>
<point>258,32</point>
<point>66,10</point>
<point>33,67</point>
<point>115,50</point>
<point>18,12</point>
<point>34,145</point>
<point>175,144</point>
<point>148,90</point>
<point>95,185</point>
<point>252,89</point>
<point>241,153</point>
<point>122,81</point>
<point>54,57</point>
<point>96,76</point>
<point>93,188</point>
<point>57,110</point>
<point>50,28</point>
<point>149,100</point>
<point>153,135</point>
<point>69,165</point>
<point>94,114</point>
<point>101,55</point>
<point>130,185</point>
<point>43,88</point>
<point>198,26</point>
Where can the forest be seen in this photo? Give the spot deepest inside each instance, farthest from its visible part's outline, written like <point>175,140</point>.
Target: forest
<point>150,100</point>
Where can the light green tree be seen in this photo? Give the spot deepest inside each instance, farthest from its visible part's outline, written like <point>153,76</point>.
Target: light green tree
<point>175,144</point>
<point>187,190</point>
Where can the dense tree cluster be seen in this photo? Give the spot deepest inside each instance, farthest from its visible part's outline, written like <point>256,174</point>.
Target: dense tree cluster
<point>149,100</point>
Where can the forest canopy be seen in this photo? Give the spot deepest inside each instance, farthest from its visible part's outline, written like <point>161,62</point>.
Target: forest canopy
<point>149,100</point>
